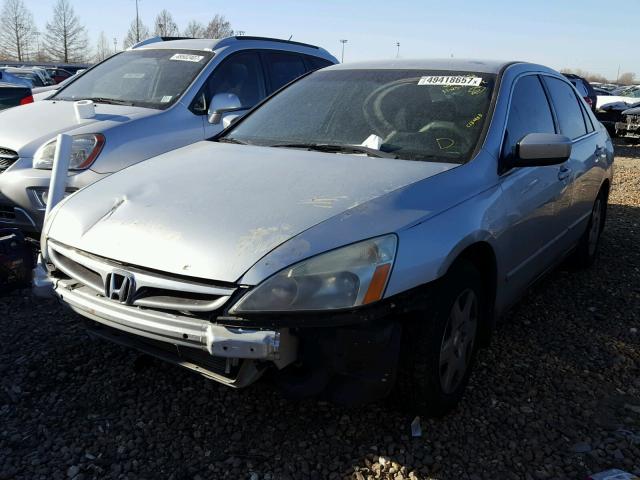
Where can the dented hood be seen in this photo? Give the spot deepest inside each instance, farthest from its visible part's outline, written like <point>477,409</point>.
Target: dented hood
<point>212,210</point>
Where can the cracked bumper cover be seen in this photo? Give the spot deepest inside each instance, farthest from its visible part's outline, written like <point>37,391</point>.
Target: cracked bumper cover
<point>277,346</point>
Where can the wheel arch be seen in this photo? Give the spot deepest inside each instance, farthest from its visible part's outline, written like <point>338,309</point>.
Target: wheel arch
<point>482,256</point>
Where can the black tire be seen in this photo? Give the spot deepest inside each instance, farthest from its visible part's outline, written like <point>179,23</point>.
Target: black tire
<point>419,387</point>
<point>587,251</point>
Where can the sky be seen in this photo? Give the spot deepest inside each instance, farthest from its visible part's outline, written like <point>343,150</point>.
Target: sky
<point>585,34</point>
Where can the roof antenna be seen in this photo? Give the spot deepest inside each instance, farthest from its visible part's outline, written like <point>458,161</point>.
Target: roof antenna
<point>290,37</point>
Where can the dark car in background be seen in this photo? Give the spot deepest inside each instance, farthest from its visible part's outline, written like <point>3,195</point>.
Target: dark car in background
<point>12,95</point>
<point>584,88</point>
<point>59,74</point>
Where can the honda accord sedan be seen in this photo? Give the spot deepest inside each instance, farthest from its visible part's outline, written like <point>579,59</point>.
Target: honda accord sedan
<point>357,235</point>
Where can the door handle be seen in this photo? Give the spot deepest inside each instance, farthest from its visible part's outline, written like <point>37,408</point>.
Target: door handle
<point>601,153</point>
<point>564,173</point>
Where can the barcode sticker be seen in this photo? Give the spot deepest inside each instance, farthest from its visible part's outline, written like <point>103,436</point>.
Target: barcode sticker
<point>183,57</point>
<point>451,80</point>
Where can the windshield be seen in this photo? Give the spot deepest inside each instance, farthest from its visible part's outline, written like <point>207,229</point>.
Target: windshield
<point>410,114</point>
<point>146,78</point>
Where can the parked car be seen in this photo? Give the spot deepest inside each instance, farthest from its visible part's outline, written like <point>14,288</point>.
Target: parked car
<point>12,95</point>
<point>59,74</point>
<point>362,229</point>
<point>6,77</point>
<point>629,125</point>
<point>612,113</point>
<point>42,93</point>
<point>584,88</point>
<point>628,95</point>
<point>27,74</point>
<point>601,92</point>
<point>149,100</point>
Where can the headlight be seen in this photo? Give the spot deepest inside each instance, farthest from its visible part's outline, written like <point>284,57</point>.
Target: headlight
<point>84,150</point>
<point>347,277</point>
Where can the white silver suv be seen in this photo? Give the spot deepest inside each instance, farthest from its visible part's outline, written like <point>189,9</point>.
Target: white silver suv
<point>156,97</point>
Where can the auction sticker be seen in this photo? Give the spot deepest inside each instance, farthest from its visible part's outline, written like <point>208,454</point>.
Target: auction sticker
<point>451,80</point>
<point>184,57</point>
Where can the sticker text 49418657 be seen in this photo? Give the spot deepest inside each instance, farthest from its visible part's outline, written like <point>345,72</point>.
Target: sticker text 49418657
<point>463,81</point>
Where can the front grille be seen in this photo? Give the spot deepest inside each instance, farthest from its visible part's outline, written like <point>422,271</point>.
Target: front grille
<point>152,290</point>
<point>7,158</point>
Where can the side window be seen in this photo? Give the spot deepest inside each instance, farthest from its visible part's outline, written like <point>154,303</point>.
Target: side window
<point>316,63</point>
<point>529,113</point>
<point>567,108</point>
<point>240,74</point>
<point>283,67</point>
<point>587,117</point>
<point>579,84</point>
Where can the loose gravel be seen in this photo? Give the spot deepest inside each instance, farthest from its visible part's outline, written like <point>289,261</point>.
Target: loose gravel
<point>557,395</point>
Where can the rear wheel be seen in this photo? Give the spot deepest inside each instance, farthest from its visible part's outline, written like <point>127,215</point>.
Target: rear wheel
<point>587,249</point>
<point>440,343</point>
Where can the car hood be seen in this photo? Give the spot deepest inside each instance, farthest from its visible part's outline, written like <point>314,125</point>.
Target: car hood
<point>26,128</point>
<point>213,210</point>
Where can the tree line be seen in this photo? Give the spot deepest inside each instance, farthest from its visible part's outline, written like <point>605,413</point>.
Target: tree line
<point>65,38</point>
<point>626,78</point>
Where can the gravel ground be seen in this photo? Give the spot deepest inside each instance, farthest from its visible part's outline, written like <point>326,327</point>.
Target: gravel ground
<point>557,395</point>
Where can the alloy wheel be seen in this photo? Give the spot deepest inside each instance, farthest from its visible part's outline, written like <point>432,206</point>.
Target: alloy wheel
<point>458,341</point>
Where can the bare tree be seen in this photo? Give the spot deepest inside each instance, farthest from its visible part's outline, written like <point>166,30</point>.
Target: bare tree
<point>218,27</point>
<point>132,35</point>
<point>194,29</point>
<point>17,30</point>
<point>590,76</point>
<point>627,78</point>
<point>66,37</point>
<point>165,26</point>
<point>103,49</point>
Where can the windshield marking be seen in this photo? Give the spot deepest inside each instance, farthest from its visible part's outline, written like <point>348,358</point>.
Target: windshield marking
<point>444,80</point>
<point>184,57</point>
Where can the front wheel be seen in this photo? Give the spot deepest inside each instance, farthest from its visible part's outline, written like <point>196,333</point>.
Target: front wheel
<point>440,343</point>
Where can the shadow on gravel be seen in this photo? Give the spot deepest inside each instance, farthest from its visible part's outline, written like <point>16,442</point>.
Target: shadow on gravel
<point>557,395</point>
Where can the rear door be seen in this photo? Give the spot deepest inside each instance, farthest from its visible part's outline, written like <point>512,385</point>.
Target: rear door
<point>536,198</point>
<point>576,123</point>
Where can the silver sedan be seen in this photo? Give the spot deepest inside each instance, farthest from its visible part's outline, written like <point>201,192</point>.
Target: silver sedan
<point>358,234</point>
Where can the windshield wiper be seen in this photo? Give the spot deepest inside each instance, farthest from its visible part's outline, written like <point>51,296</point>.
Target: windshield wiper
<point>337,148</point>
<point>231,140</point>
<point>110,101</point>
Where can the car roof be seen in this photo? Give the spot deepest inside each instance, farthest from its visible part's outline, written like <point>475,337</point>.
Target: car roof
<point>455,64</point>
<point>211,44</point>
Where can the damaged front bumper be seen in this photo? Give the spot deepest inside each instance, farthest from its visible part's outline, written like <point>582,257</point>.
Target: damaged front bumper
<point>192,342</point>
<point>629,128</point>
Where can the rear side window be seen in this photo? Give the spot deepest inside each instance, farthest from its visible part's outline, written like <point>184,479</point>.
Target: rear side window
<point>587,118</point>
<point>567,108</point>
<point>317,63</point>
<point>529,113</point>
<point>283,67</point>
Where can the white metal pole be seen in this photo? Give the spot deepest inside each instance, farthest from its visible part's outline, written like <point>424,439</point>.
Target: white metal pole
<point>59,172</point>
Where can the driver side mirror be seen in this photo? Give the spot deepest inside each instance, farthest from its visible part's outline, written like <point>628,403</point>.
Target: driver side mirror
<point>222,103</point>
<point>541,149</point>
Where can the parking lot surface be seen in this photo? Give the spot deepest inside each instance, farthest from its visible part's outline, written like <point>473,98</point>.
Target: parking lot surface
<point>557,395</point>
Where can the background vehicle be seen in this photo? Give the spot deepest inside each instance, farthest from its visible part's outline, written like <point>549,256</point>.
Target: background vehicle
<point>12,95</point>
<point>27,74</point>
<point>629,125</point>
<point>362,228</point>
<point>148,100</point>
<point>585,89</point>
<point>59,74</point>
